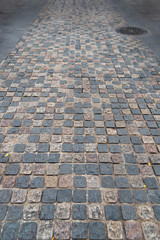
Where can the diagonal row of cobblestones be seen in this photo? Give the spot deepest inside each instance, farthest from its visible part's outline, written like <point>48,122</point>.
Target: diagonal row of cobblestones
<point>79,129</point>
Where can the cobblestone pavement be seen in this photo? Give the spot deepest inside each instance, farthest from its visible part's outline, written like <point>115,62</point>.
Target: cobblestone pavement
<point>79,136</point>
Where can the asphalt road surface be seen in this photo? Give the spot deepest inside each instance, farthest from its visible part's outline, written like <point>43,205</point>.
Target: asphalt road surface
<point>15,18</point>
<point>145,14</point>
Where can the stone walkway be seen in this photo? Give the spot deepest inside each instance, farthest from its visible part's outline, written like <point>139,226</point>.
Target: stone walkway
<point>79,136</point>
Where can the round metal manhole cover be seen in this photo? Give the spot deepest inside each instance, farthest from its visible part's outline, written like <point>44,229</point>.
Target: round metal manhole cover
<point>131,30</point>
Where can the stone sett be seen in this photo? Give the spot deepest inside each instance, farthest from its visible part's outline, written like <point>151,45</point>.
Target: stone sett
<point>79,136</point>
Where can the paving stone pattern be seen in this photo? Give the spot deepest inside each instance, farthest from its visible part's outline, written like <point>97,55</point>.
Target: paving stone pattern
<point>79,129</point>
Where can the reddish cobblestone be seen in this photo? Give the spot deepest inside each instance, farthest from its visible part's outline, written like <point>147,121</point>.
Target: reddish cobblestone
<point>117,158</point>
<point>65,182</point>
<point>62,230</point>
<point>91,158</point>
<point>151,148</point>
<point>8,182</point>
<point>146,170</point>
<point>133,231</point>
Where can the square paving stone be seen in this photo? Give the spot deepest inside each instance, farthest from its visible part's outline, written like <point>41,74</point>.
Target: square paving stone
<point>41,158</point>
<point>92,169</point>
<point>129,212</point>
<point>47,123</point>
<point>14,213</point>
<point>129,158</point>
<point>12,169</point>
<point>136,140</point>
<point>90,139</point>
<point>156,169</point>
<point>54,158</point>
<point>39,116</point>
<point>105,169</point>
<point>5,196</point>
<point>102,148</point>
<point>115,148</point>
<point>107,182</point>
<point>78,131</point>
<point>112,212</point>
<point>28,231</point>
<point>79,169</point>
<point>66,147</point>
<point>2,137</point>
<point>79,196</point>
<point>94,196</point>
<point>122,131</point>
<point>79,212</point>
<point>9,116</point>
<point>139,149</point>
<point>124,139</point>
<point>3,210</point>
<point>19,196</point>
<point>37,182</point>
<point>94,212</point>
<point>64,195</point>
<point>110,124</point>
<point>132,169</point>
<point>49,196</point>
<point>10,231</point>
<point>79,230</point>
<point>97,231</point>
<point>35,130</point>
<point>43,147</point>
<point>19,148</point>
<point>22,182</point>
<point>57,131</point>
<point>122,182</point>
<point>151,183</point>
<point>154,196</point>
<point>125,196</point>
<point>62,230</point>
<point>66,168</point>
<point>28,158</point>
<point>140,196</point>
<point>77,148</point>
<point>88,124</point>
<point>68,123</point>
<point>3,158</point>
<point>156,210</point>
<point>79,182</point>
<point>47,212</point>
<point>100,131</point>
<point>113,139</point>
<point>144,131</point>
<point>33,138</point>
<point>133,230</point>
<point>79,139</point>
<point>16,123</point>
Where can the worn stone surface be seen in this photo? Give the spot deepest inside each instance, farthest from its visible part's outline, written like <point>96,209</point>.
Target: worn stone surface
<point>95,212</point>
<point>133,230</point>
<point>115,230</point>
<point>145,212</point>
<point>110,196</point>
<point>62,230</point>
<point>45,230</point>
<point>151,230</point>
<point>63,211</point>
<point>79,129</point>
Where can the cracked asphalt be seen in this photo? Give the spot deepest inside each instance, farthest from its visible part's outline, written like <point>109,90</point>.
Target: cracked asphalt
<point>79,129</point>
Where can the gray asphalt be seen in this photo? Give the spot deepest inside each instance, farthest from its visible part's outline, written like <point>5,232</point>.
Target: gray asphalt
<point>15,18</point>
<point>145,14</point>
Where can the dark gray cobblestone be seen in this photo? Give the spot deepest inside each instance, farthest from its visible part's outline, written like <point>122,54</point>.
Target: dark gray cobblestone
<point>79,129</point>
